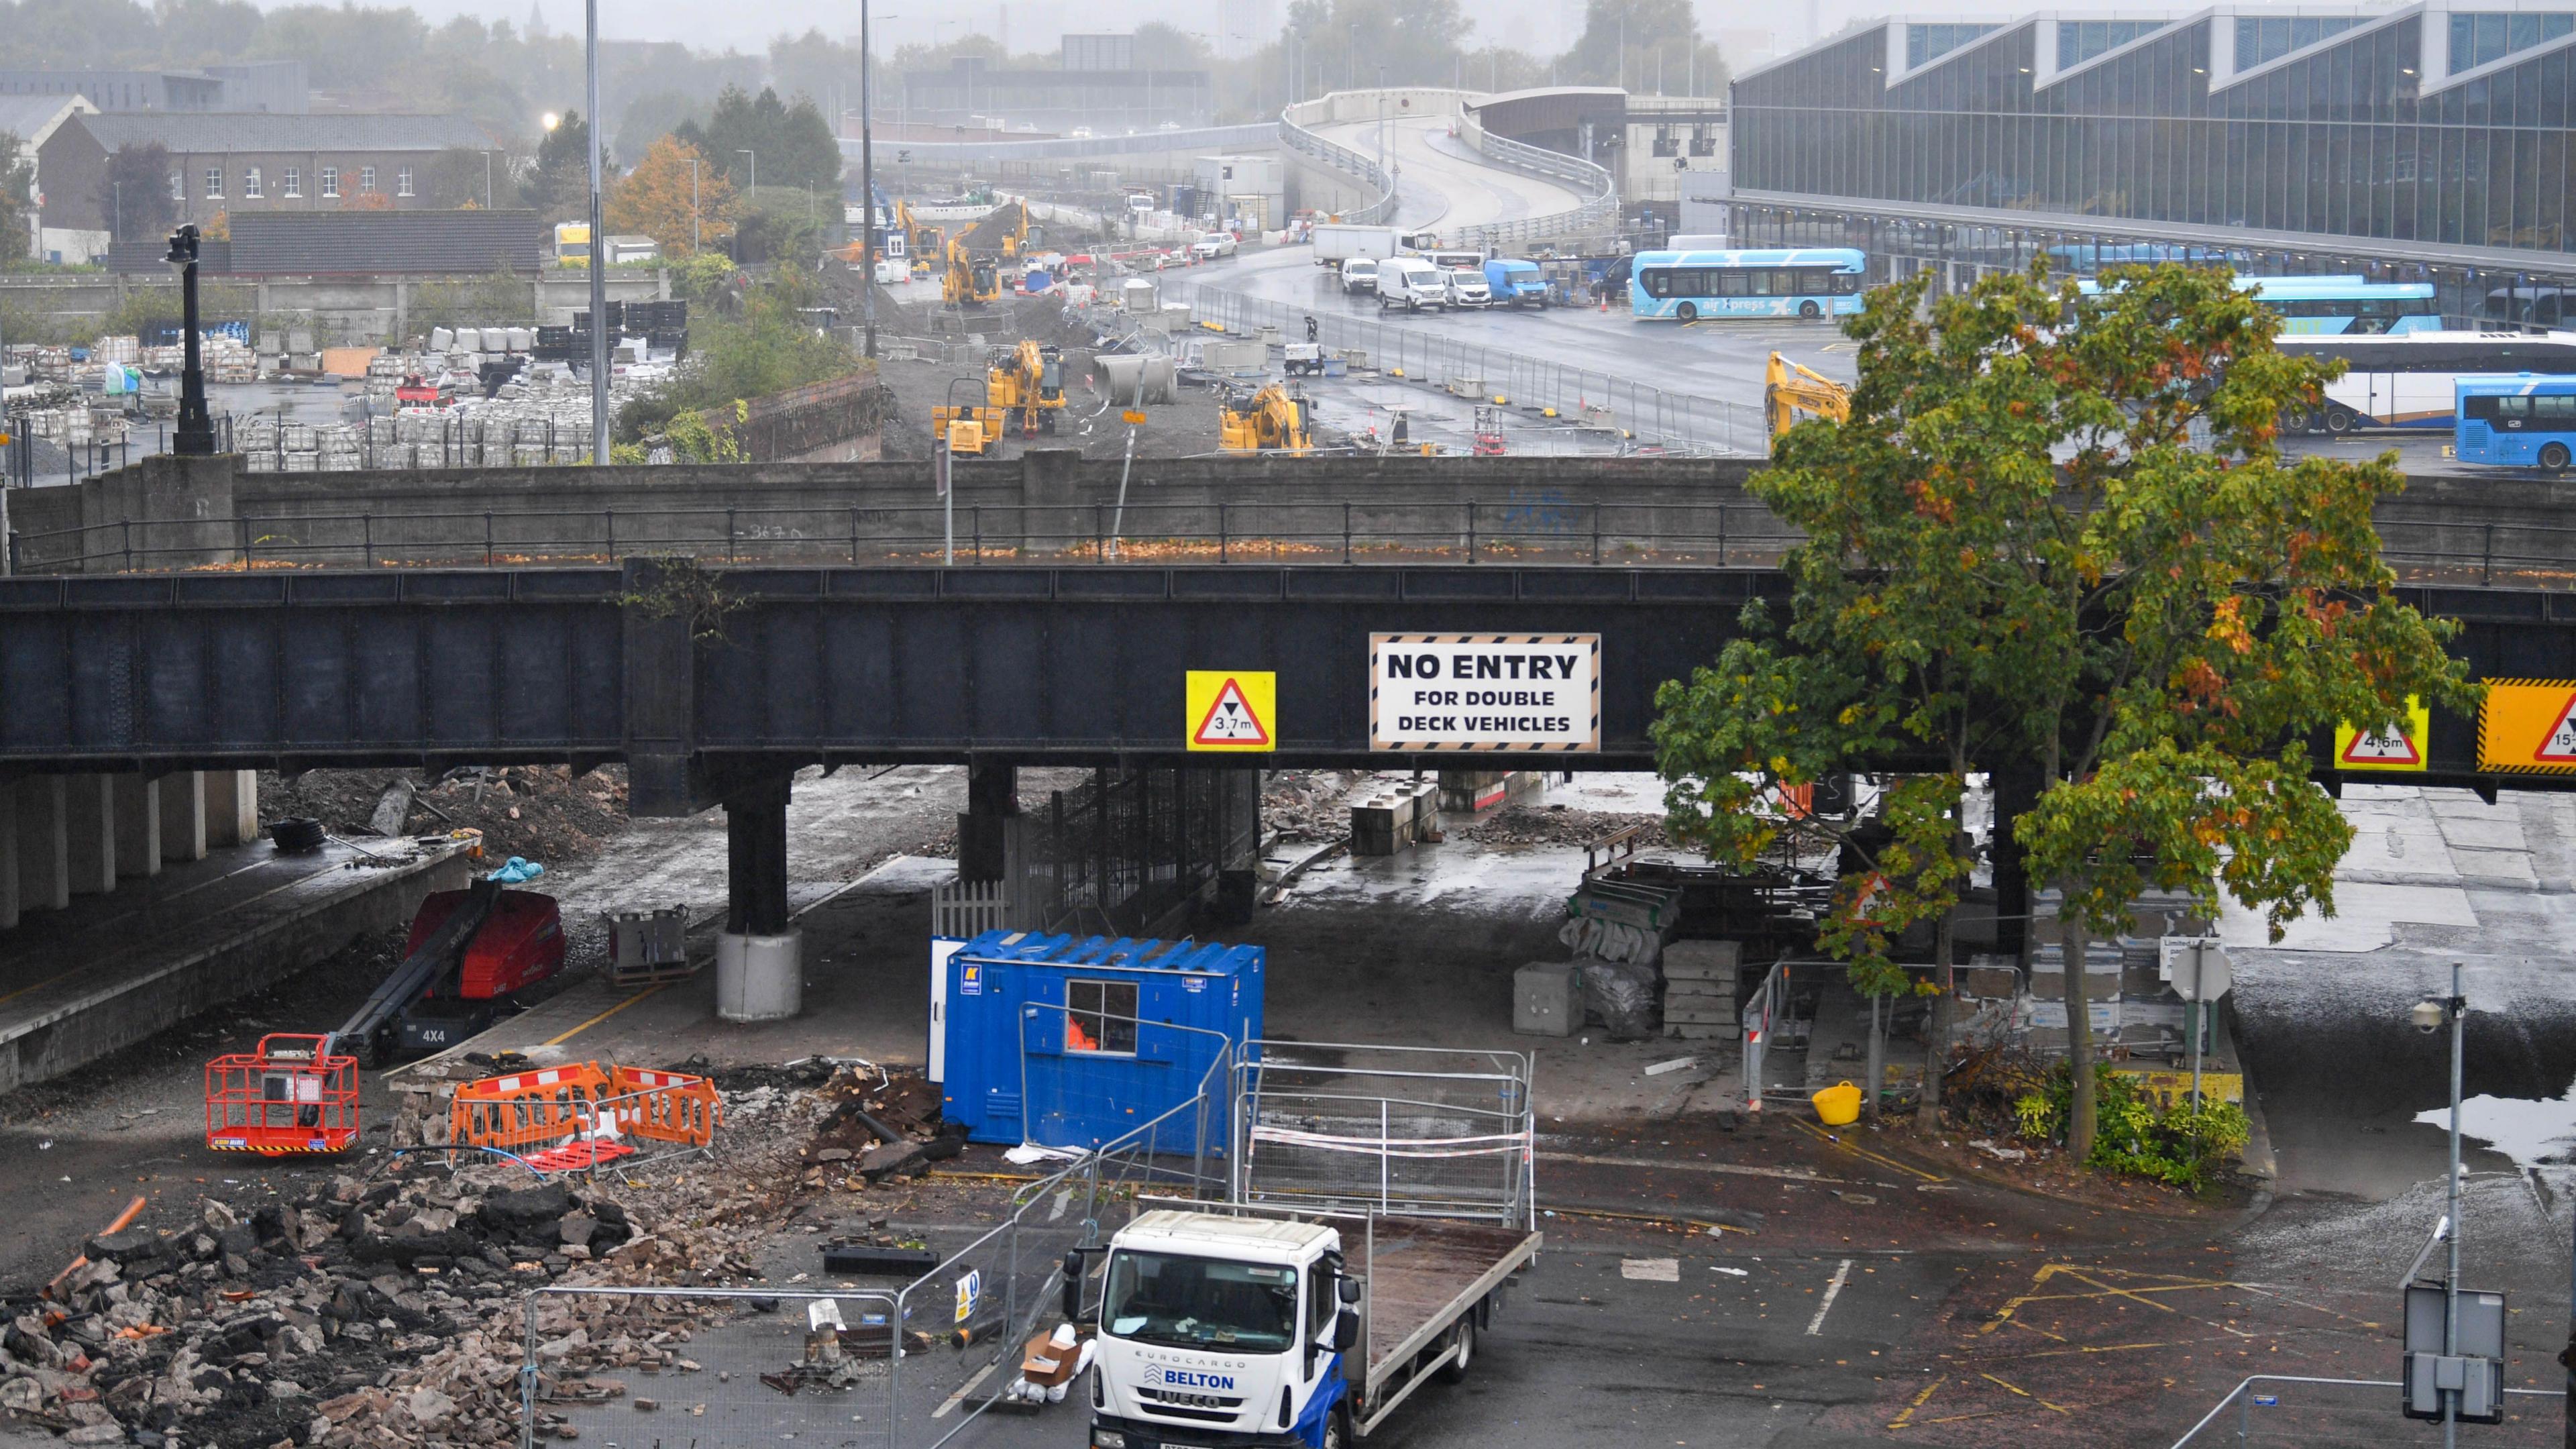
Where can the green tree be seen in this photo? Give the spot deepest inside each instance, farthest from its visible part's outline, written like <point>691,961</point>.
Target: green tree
<point>793,145</point>
<point>1636,42</point>
<point>134,198</point>
<point>459,176</point>
<point>17,200</point>
<point>1417,42</point>
<point>559,186</point>
<point>2017,527</point>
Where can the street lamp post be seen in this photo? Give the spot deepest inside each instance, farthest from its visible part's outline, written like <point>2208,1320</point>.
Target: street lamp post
<point>1355,55</point>
<point>867,196</point>
<point>2429,1015</point>
<point>693,206</point>
<point>195,435</point>
<point>598,249</point>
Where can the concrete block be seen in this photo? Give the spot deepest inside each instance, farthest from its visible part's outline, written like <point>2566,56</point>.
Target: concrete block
<point>183,816</point>
<point>44,864</point>
<point>232,807</point>
<point>138,825</point>
<point>1545,999</point>
<point>89,822</point>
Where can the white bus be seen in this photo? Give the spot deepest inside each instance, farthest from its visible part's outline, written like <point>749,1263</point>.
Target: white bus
<point>2407,379</point>
<point>1806,282</point>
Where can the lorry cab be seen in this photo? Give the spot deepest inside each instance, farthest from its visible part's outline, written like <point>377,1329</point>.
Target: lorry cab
<point>1359,274</point>
<point>1515,283</point>
<point>1215,1326</point>
<point>1412,283</point>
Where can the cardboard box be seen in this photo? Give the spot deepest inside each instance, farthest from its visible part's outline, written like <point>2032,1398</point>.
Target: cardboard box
<point>1046,1365</point>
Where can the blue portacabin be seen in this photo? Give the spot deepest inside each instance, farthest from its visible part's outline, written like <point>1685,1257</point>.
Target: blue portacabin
<point>1077,1041</point>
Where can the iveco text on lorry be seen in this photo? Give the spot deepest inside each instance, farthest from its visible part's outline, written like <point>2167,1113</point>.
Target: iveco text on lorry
<point>1367,1243</point>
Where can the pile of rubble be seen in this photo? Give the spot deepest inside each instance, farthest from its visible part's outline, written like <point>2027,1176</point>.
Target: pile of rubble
<point>1308,804</point>
<point>1557,825</point>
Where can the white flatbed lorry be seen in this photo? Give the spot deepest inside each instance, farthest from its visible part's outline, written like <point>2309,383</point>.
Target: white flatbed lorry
<point>1264,1325</point>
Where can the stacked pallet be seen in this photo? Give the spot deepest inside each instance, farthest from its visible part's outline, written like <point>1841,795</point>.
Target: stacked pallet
<point>1699,989</point>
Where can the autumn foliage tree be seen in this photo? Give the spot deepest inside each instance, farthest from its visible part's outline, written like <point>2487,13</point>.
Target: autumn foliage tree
<point>2057,528</point>
<point>655,199</point>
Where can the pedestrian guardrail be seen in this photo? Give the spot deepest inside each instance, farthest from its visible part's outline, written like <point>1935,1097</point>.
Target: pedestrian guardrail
<point>1342,158</point>
<point>1595,183</point>
<point>1386,1130</point>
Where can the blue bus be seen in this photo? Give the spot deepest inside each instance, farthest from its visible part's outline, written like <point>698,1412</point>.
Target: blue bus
<point>2337,306</point>
<point>1806,282</point>
<point>2527,420</point>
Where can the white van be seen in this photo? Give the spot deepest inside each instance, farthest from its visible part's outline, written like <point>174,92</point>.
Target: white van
<point>1359,274</point>
<point>1413,283</point>
<point>1467,288</point>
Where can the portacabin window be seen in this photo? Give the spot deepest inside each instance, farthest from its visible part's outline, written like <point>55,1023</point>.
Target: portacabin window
<point>1100,1016</point>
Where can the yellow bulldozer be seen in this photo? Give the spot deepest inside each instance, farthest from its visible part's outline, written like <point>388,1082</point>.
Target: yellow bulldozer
<point>971,430</point>
<point>971,281</point>
<point>1027,381</point>
<point>1270,420</point>
<point>1790,390</point>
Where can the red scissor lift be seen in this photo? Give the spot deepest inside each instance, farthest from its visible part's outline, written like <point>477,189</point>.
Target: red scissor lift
<point>291,1095</point>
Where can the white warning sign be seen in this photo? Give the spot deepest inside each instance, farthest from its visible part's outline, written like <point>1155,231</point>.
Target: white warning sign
<point>1515,692</point>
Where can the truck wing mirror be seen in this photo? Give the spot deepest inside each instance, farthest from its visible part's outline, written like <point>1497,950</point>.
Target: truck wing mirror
<point>1349,1289</point>
<point>1346,1331</point>
<point>1073,1285</point>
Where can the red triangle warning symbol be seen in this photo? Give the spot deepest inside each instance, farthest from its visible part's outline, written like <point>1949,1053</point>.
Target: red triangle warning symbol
<point>1230,721</point>
<point>2558,747</point>
<point>2373,749</point>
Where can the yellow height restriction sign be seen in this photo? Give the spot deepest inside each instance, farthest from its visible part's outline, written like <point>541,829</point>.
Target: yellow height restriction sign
<point>2528,727</point>
<point>1232,709</point>
<point>2357,749</point>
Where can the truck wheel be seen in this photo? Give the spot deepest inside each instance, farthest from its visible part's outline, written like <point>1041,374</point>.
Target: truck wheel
<point>2553,458</point>
<point>1337,1428</point>
<point>1456,1368</point>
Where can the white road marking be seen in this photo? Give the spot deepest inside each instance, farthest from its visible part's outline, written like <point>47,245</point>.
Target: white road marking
<point>1833,1290</point>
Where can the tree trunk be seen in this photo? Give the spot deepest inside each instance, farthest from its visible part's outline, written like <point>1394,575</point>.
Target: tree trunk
<point>1936,1024</point>
<point>2079,1033</point>
<point>1875,1069</point>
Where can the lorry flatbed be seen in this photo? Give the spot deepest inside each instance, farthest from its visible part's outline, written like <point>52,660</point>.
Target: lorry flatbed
<point>1419,1270</point>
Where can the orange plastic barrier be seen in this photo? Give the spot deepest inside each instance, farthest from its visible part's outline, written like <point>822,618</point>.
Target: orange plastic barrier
<point>665,1106</point>
<point>286,1097</point>
<point>526,1109</point>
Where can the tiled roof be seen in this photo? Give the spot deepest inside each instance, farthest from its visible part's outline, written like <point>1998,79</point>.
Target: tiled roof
<point>202,133</point>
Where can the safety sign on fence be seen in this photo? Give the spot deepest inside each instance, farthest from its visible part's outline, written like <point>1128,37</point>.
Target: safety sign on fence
<point>1520,692</point>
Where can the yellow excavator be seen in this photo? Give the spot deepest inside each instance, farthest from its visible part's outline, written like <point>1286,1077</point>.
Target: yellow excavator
<point>1271,420</point>
<point>1790,390</point>
<point>972,281</point>
<point>921,240</point>
<point>1027,380</point>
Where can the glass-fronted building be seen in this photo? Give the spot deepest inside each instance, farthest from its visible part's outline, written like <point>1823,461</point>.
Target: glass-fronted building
<point>2406,143</point>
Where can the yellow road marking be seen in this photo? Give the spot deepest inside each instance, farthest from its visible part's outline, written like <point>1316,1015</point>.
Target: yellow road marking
<point>2051,1270</point>
<point>1888,1162</point>
<point>605,1015</point>
<point>2027,1394</point>
<point>1907,1414</point>
<point>2103,1348</point>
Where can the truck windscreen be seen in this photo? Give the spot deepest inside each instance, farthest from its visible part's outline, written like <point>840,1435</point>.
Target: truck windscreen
<point>1200,1302</point>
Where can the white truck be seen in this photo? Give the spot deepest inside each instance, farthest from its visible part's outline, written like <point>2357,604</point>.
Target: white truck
<point>1366,1246</point>
<point>1338,241</point>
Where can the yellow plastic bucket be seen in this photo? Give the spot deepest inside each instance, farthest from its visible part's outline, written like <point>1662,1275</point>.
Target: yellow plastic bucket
<point>1838,1105</point>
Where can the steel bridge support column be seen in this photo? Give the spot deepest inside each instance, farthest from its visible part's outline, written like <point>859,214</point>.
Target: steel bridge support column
<point>8,854</point>
<point>759,956</point>
<point>992,799</point>
<point>183,815</point>
<point>44,861</point>
<point>89,820</point>
<point>138,825</point>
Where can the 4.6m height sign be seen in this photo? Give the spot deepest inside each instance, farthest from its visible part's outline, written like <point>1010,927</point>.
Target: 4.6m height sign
<point>1485,692</point>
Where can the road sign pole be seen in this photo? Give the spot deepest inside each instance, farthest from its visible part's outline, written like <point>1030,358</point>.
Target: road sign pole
<point>939,477</point>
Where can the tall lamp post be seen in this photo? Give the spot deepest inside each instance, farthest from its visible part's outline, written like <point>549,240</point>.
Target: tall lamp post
<point>195,436</point>
<point>867,194</point>
<point>2430,1014</point>
<point>598,250</point>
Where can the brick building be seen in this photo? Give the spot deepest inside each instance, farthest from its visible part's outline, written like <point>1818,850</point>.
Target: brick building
<point>240,163</point>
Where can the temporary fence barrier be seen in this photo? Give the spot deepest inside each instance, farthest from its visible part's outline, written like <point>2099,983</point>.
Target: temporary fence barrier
<point>658,1106</point>
<point>290,1095</point>
<point>2286,1409</point>
<point>526,1109</point>
<point>1676,422</point>
<point>1385,1130</point>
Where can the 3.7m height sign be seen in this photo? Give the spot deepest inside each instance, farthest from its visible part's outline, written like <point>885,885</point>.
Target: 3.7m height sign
<point>1485,692</point>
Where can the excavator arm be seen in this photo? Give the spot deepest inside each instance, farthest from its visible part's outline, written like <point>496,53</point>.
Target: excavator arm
<point>1789,390</point>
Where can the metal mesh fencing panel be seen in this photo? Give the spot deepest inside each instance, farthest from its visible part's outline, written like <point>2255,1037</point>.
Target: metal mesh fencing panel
<point>714,1368</point>
<point>1120,851</point>
<point>1385,1129</point>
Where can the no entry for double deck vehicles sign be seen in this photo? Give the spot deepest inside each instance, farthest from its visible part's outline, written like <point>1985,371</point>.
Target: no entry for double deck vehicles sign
<point>1485,692</point>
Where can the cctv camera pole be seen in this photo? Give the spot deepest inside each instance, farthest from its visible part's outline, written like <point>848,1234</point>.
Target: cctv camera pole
<point>598,251</point>
<point>196,432</point>
<point>867,192</point>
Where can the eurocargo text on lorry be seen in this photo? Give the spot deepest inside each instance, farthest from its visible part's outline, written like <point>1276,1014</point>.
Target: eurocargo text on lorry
<point>1380,1203</point>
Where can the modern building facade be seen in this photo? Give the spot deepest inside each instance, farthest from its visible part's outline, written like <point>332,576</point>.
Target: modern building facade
<point>2407,143</point>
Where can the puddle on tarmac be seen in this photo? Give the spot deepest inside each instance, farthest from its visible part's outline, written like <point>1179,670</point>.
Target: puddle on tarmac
<point>2528,1131</point>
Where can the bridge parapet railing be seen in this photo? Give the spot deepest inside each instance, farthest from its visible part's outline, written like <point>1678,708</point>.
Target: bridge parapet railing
<point>1341,158</point>
<point>1595,183</point>
<point>1543,525</point>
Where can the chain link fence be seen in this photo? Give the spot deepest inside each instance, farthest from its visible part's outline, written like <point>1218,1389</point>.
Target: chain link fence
<point>1672,421</point>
